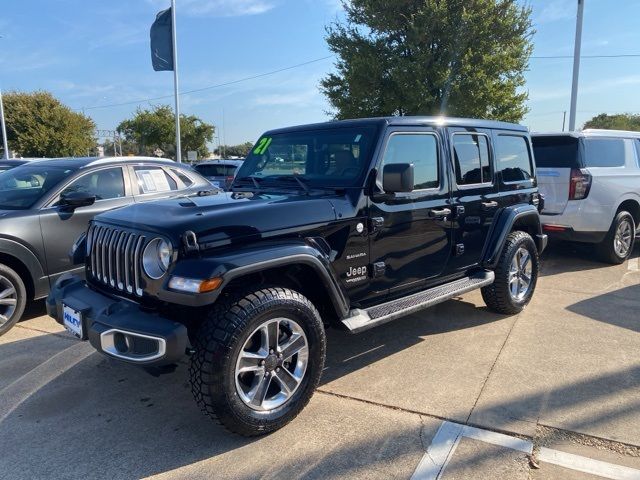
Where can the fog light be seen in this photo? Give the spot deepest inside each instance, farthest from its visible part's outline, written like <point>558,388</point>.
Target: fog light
<point>192,285</point>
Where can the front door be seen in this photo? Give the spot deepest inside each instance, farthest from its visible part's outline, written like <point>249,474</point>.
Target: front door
<point>61,227</point>
<point>411,232</point>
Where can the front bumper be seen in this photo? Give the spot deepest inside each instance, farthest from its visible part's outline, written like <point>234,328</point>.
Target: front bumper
<point>119,328</point>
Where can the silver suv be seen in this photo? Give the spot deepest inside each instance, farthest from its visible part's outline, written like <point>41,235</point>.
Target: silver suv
<point>591,186</point>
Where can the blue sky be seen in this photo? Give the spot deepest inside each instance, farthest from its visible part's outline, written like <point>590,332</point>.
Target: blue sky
<point>95,53</point>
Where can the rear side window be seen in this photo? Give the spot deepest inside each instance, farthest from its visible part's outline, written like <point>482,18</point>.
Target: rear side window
<point>556,152</point>
<point>513,157</point>
<point>154,180</point>
<point>604,152</point>
<point>212,170</point>
<point>184,178</point>
<point>637,142</point>
<point>471,158</point>
<point>419,149</point>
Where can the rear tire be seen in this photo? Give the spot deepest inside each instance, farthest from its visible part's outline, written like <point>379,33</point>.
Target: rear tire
<point>618,243</point>
<point>13,298</point>
<point>516,275</point>
<point>240,373</point>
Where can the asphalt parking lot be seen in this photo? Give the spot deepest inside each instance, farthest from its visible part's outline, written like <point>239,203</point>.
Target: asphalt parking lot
<point>453,392</point>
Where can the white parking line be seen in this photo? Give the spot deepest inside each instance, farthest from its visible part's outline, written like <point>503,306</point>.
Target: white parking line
<point>17,392</point>
<point>444,444</point>
<point>587,465</point>
<point>442,447</point>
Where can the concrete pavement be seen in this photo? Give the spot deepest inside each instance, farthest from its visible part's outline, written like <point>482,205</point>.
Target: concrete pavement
<point>565,374</point>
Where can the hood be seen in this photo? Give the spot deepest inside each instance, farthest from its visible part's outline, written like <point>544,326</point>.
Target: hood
<point>225,215</point>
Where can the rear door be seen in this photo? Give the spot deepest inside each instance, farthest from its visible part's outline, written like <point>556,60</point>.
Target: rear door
<point>555,157</point>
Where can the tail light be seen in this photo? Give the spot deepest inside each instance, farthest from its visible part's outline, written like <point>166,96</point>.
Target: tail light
<point>579,184</point>
<point>230,178</point>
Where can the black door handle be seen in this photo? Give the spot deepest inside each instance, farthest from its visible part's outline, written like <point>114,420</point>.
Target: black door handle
<point>444,212</point>
<point>489,205</point>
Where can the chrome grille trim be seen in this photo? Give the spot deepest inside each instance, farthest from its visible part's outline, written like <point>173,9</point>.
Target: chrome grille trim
<point>115,258</point>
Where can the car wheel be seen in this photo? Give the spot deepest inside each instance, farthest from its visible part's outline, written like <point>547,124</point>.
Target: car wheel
<point>516,275</point>
<point>618,243</point>
<point>13,298</point>
<point>258,359</point>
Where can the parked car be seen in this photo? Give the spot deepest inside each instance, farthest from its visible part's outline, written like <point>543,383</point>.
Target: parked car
<point>590,181</point>
<point>10,163</point>
<point>219,172</point>
<point>46,205</point>
<point>354,223</point>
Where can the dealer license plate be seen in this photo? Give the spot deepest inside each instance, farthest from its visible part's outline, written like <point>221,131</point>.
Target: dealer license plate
<point>72,321</point>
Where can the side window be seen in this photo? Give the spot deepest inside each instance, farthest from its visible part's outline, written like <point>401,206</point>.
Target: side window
<point>471,159</point>
<point>604,152</point>
<point>513,158</point>
<point>153,180</point>
<point>104,184</point>
<point>417,148</point>
<point>183,177</point>
<point>637,142</point>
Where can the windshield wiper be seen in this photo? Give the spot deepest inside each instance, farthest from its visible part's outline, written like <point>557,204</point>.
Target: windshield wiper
<point>299,181</point>
<point>253,179</point>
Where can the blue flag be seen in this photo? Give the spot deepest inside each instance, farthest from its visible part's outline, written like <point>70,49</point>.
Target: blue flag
<point>162,42</point>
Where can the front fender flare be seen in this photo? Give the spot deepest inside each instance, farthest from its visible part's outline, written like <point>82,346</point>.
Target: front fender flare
<point>524,215</point>
<point>240,262</point>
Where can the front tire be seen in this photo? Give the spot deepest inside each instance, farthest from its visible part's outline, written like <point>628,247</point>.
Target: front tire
<point>258,359</point>
<point>618,243</point>
<point>516,275</point>
<point>13,298</point>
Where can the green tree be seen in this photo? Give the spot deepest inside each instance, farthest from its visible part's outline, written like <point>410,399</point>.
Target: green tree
<point>155,128</point>
<point>39,125</point>
<point>622,121</point>
<point>241,150</point>
<point>415,57</point>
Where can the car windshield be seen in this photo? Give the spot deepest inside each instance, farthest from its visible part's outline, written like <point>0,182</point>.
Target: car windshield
<point>23,186</point>
<point>215,170</point>
<point>334,157</point>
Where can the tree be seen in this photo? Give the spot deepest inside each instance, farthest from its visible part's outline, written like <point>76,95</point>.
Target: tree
<point>241,150</point>
<point>414,57</point>
<point>39,125</point>
<point>155,128</point>
<point>622,121</point>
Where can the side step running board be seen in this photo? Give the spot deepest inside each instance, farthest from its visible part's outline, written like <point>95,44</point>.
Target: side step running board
<point>359,320</point>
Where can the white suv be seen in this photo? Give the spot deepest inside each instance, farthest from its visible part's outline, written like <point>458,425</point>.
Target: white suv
<point>591,186</point>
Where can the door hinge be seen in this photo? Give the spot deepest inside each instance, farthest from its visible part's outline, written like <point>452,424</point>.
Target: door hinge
<point>378,269</point>
<point>459,210</point>
<point>375,224</point>
<point>459,249</point>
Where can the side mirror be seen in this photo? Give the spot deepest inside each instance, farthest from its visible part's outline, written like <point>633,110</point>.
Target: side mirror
<point>397,178</point>
<point>73,200</point>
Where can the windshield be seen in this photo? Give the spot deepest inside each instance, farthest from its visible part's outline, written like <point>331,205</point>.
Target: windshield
<point>22,187</point>
<point>216,170</point>
<point>336,157</point>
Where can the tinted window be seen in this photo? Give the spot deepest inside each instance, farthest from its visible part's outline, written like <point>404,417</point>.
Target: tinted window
<point>637,142</point>
<point>154,180</point>
<point>471,159</point>
<point>419,149</point>
<point>513,158</point>
<point>212,170</point>
<point>604,152</point>
<point>104,184</point>
<point>328,157</point>
<point>183,177</point>
<point>556,152</point>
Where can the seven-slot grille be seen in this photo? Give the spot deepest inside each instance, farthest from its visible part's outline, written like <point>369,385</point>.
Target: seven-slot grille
<point>115,258</point>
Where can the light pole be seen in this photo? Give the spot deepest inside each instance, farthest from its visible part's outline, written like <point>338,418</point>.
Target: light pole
<point>576,67</point>
<point>5,143</point>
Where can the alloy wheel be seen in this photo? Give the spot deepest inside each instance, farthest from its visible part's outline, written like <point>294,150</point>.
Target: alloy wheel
<point>520,273</point>
<point>8,300</point>
<point>272,364</point>
<point>623,238</point>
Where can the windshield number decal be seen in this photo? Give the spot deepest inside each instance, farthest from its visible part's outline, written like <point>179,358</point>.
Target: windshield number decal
<point>263,144</point>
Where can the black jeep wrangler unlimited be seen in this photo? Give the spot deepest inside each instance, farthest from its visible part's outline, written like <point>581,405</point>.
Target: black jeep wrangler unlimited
<point>353,223</point>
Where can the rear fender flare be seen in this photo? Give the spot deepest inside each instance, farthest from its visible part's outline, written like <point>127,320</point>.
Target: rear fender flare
<point>524,215</point>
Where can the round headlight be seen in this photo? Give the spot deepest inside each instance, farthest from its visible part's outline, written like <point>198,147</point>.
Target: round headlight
<point>156,258</point>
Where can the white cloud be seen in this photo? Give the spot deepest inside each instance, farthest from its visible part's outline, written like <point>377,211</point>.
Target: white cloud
<point>602,85</point>
<point>557,10</point>
<point>299,99</point>
<point>220,8</point>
